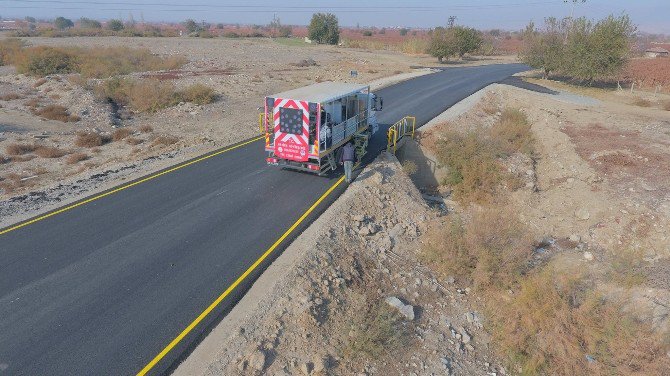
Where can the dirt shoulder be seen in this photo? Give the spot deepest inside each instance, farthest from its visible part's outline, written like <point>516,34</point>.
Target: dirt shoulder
<point>321,308</point>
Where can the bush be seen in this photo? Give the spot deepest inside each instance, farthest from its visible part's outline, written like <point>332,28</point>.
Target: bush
<point>198,93</point>
<point>88,23</point>
<point>641,102</point>
<point>165,140</point>
<point>475,174</point>
<point>10,97</point>
<point>76,158</point>
<point>9,50</point>
<point>98,62</point>
<point>115,25</point>
<point>556,323</point>
<point>513,133</point>
<point>49,152</point>
<point>56,112</point>
<point>146,128</point>
<point>666,105</point>
<point>376,331</point>
<point>367,33</point>
<point>231,34</point>
<point>121,133</point>
<point>89,140</point>
<point>19,149</point>
<point>491,250</point>
<point>140,95</point>
<point>44,61</point>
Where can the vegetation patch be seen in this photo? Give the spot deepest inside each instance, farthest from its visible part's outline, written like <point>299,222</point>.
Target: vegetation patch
<point>121,134</point>
<point>376,331</point>
<point>19,149</point>
<point>90,140</point>
<point>76,158</point>
<point>49,152</point>
<point>474,170</point>
<point>641,102</point>
<point>165,140</point>
<point>97,62</point>
<point>151,95</point>
<point>56,112</point>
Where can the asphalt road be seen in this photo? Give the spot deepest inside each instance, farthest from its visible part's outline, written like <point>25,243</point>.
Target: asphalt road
<point>101,289</point>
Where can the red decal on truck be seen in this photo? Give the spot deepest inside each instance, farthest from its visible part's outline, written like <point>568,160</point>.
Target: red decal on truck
<point>291,128</point>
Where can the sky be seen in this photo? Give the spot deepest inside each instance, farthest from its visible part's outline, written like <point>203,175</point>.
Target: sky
<point>650,15</point>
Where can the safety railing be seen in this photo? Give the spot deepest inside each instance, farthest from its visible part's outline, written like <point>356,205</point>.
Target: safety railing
<point>404,127</point>
<point>261,122</point>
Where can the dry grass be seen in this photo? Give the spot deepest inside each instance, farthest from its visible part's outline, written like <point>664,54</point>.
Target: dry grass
<point>19,149</point>
<point>146,128</point>
<point>198,93</point>
<point>513,132</point>
<point>556,323</point>
<point>49,152</point>
<point>165,140</point>
<point>134,141</point>
<point>56,112</point>
<point>627,267</point>
<point>10,96</point>
<point>96,62</point>
<point>76,158</point>
<point>121,133</point>
<point>474,171</point>
<point>641,102</point>
<point>148,95</point>
<point>12,181</point>
<point>666,105</point>
<point>33,103</point>
<point>491,250</point>
<point>410,167</point>
<point>90,140</point>
<point>375,331</point>
<point>9,48</point>
<point>39,82</point>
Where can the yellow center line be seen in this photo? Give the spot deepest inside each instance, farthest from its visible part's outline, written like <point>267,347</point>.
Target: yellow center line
<point>37,219</point>
<point>239,280</point>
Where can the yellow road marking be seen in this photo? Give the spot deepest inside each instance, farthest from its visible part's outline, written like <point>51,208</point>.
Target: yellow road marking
<point>239,280</point>
<point>126,186</point>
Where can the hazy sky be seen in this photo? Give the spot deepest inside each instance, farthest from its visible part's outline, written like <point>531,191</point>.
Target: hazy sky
<point>649,15</point>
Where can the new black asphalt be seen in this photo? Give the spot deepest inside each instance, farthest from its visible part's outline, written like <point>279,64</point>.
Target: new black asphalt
<point>102,288</point>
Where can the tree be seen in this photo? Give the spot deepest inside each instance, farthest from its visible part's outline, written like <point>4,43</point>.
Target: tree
<point>277,29</point>
<point>191,26</point>
<point>598,51</point>
<point>442,43</point>
<point>30,19</point>
<point>403,32</point>
<point>467,40</point>
<point>545,49</point>
<point>115,25</point>
<point>324,28</point>
<point>88,23</point>
<point>63,23</point>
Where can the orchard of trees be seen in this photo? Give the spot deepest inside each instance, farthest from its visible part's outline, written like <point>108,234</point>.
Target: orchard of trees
<point>579,48</point>
<point>454,41</point>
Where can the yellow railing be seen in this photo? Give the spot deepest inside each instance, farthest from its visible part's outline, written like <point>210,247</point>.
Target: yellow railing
<point>404,127</point>
<point>261,122</point>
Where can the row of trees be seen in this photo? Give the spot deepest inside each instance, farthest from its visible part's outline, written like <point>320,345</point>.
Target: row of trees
<point>579,48</point>
<point>454,41</point>
<point>62,23</point>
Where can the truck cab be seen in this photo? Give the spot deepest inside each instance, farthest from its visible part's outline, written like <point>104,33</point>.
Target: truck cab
<point>306,128</point>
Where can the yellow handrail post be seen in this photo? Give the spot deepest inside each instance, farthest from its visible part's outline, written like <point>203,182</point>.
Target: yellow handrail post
<point>261,121</point>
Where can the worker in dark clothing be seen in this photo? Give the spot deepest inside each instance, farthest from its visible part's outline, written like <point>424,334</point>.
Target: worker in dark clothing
<point>348,158</point>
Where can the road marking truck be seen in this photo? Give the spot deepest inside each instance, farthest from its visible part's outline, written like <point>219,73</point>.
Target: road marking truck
<point>306,128</point>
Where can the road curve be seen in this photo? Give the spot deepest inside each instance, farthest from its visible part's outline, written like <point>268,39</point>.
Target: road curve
<point>104,287</point>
